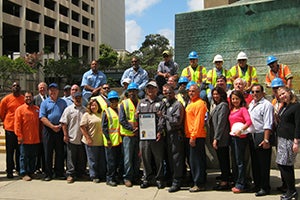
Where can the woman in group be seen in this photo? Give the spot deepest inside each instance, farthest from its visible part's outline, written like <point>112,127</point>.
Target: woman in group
<point>288,132</point>
<point>90,126</point>
<point>239,114</point>
<point>219,125</point>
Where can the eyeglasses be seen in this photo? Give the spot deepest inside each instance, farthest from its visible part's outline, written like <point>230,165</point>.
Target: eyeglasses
<point>192,59</point>
<point>134,61</point>
<point>242,60</point>
<point>218,61</point>
<point>105,88</point>
<point>16,85</point>
<point>255,91</point>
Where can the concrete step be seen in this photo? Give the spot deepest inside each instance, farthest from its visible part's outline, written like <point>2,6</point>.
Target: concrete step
<point>2,143</point>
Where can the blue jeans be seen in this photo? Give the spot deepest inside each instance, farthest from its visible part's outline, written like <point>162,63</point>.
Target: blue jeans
<point>197,160</point>
<point>12,152</point>
<point>97,161</point>
<point>131,158</point>
<point>113,159</point>
<point>239,146</point>
<point>28,157</point>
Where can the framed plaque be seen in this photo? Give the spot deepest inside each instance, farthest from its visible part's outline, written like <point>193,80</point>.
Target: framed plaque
<point>147,126</point>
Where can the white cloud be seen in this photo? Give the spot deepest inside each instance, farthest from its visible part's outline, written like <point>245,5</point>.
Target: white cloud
<point>133,35</point>
<point>169,34</point>
<point>195,5</point>
<point>136,7</point>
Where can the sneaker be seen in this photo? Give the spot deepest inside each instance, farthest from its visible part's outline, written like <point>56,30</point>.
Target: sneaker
<point>26,178</point>
<point>10,175</point>
<point>70,179</point>
<point>47,178</point>
<point>196,188</point>
<point>96,180</point>
<point>111,183</point>
<point>128,183</point>
<point>236,190</point>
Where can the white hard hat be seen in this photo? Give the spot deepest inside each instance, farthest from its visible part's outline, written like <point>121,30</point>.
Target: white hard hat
<point>242,56</point>
<point>238,126</point>
<point>218,58</point>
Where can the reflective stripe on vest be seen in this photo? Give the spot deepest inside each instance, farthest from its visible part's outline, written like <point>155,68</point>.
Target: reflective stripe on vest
<point>113,127</point>
<point>200,74</point>
<point>249,74</point>
<point>129,109</point>
<point>181,99</point>
<point>271,77</point>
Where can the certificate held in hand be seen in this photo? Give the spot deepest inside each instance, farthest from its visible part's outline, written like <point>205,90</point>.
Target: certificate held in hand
<point>147,126</point>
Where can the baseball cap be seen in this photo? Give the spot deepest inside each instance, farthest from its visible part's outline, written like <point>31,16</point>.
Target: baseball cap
<point>54,85</point>
<point>167,52</point>
<point>127,80</point>
<point>67,87</point>
<point>78,94</point>
<point>152,83</point>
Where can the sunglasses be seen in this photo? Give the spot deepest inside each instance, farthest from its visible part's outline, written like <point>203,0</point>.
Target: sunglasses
<point>106,88</point>
<point>255,91</point>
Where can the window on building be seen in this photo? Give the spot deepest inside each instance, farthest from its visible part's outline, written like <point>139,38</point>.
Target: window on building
<point>49,22</point>
<point>32,16</point>
<point>85,6</point>
<point>92,10</point>
<point>50,4</point>
<point>63,10</point>
<point>11,8</point>
<point>75,16</point>
<point>85,35</point>
<point>75,31</point>
<point>92,37</point>
<point>64,27</point>
<point>35,1</point>
<point>85,21</point>
<point>75,2</point>
<point>92,24</point>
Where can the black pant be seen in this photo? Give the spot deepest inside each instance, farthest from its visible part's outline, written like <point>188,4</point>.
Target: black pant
<point>153,151</point>
<point>288,174</point>
<point>12,152</point>
<point>76,160</point>
<point>261,164</point>
<point>175,156</point>
<point>113,162</point>
<point>224,162</point>
<point>53,141</point>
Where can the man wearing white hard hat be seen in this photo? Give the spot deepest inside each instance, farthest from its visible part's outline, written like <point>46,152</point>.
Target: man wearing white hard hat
<point>244,71</point>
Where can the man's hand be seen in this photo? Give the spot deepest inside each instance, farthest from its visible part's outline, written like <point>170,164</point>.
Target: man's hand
<point>192,142</point>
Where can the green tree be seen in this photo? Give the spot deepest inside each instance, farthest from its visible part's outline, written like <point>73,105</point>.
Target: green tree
<point>108,57</point>
<point>70,68</point>
<point>10,68</point>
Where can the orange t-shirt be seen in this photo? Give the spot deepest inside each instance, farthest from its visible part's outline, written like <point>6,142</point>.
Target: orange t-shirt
<point>27,124</point>
<point>195,119</point>
<point>8,105</point>
<point>283,72</point>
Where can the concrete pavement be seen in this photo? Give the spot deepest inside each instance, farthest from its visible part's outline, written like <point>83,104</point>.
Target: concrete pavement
<point>59,189</point>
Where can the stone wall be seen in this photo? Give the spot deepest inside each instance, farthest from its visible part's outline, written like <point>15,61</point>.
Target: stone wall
<point>259,28</point>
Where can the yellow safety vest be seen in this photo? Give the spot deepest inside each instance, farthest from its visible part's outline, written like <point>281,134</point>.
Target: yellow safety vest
<point>101,101</point>
<point>113,127</point>
<point>212,76</point>
<point>129,109</point>
<point>250,75</point>
<point>180,98</point>
<point>198,75</point>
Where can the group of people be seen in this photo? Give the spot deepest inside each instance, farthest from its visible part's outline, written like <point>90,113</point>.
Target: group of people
<point>102,128</point>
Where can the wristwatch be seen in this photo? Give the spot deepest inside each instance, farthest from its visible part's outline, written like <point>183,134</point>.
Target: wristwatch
<point>266,141</point>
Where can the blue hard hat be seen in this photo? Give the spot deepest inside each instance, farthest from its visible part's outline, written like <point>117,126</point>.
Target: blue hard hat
<point>112,95</point>
<point>132,86</point>
<point>190,84</point>
<point>277,82</point>
<point>271,59</point>
<point>183,79</point>
<point>193,55</point>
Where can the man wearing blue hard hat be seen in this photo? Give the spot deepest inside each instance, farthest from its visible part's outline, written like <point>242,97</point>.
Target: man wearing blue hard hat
<point>278,70</point>
<point>129,132</point>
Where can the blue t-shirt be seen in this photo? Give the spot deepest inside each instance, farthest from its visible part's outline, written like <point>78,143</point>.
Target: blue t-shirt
<point>52,110</point>
<point>93,80</point>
